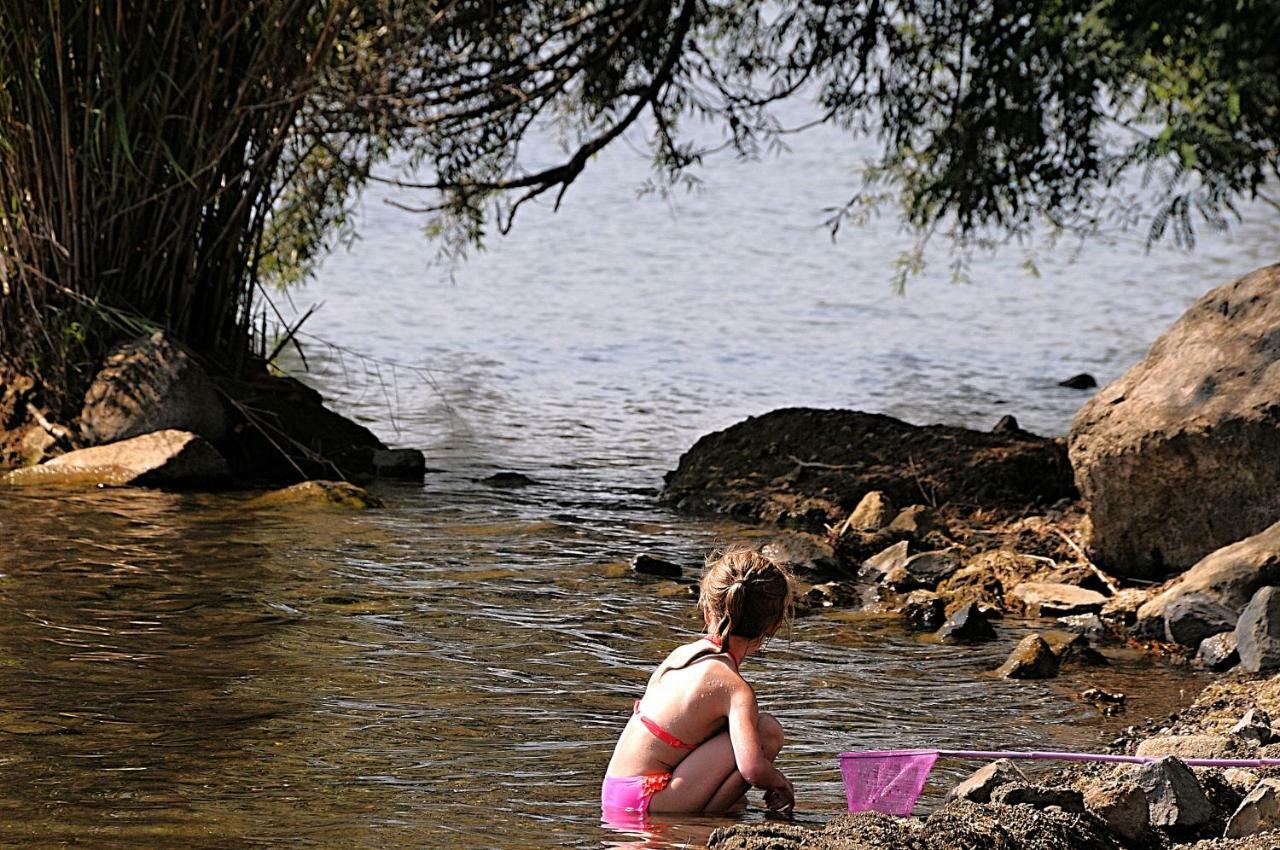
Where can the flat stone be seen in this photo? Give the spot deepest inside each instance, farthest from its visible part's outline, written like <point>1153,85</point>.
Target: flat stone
<point>1192,617</point>
<point>878,566</point>
<point>1047,599</point>
<point>1258,812</point>
<point>651,566</point>
<point>318,494</point>
<point>1174,796</point>
<point>1258,632</point>
<point>173,459</point>
<point>874,511</point>
<point>1123,808</point>
<point>1195,747</point>
<point>1218,652</point>
<point>805,555</point>
<point>1039,797</point>
<point>1031,659</point>
<point>980,784</point>
<point>965,624</point>
<point>405,464</point>
<point>932,567</point>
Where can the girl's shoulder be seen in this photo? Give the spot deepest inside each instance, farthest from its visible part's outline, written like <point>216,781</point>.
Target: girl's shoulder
<point>691,656</point>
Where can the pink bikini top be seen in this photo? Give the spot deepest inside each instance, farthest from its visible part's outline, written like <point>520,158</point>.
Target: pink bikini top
<point>652,725</point>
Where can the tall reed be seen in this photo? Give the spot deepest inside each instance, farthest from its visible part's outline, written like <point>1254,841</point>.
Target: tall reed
<point>140,151</point>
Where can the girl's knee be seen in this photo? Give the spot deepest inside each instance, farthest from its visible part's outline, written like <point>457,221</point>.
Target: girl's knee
<point>771,735</point>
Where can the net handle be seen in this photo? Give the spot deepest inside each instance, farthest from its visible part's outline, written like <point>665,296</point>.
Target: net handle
<point>1051,756</point>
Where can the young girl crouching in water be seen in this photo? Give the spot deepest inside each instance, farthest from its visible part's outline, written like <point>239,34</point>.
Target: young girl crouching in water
<point>697,741</point>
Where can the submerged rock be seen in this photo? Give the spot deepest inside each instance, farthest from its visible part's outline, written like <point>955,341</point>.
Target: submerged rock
<point>508,480</point>
<point>318,494</point>
<point>149,384</point>
<point>965,624</point>
<point>924,611</point>
<point>1258,632</point>
<point>171,459</point>
<point>1083,381</point>
<point>1031,659</point>
<point>1178,457</point>
<point>406,464</point>
<point>651,566</point>
<point>808,467</point>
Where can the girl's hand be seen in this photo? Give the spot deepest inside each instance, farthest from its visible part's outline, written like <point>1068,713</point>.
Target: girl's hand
<point>781,797</point>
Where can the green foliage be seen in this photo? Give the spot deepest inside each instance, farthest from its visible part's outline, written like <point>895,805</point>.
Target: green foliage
<point>158,159</point>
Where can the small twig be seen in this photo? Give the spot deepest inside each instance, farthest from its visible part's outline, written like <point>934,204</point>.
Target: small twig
<point>56,431</point>
<point>1084,559</point>
<point>811,464</point>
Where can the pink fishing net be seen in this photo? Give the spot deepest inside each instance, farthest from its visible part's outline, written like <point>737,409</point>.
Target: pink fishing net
<point>887,781</point>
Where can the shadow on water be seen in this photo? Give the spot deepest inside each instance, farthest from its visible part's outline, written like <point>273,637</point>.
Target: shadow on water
<point>451,671</point>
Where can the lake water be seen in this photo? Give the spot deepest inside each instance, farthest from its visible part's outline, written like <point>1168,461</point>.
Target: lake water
<point>451,671</point>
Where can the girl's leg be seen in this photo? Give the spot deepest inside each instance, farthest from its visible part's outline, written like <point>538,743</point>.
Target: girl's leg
<point>708,779</point>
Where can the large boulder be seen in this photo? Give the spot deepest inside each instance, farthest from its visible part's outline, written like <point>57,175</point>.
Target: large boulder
<point>1177,458</point>
<point>1228,576</point>
<point>808,467</point>
<point>1174,797</point>
<point>171,459</point>
<point>149,384</point>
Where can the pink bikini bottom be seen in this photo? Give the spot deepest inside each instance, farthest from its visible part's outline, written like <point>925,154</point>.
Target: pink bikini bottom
<point>630,795</point>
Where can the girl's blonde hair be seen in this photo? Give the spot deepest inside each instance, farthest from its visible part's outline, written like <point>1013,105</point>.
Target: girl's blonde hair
<point>744,593</point>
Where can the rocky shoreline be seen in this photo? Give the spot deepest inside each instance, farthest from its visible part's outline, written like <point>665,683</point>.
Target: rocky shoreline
<point>1162,804</point>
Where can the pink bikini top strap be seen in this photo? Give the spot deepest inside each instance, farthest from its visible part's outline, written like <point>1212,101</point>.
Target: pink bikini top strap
<point>661,734</point>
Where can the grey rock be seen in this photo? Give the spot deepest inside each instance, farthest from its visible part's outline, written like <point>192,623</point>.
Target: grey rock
<point>1008,424</point>
<point>1050,599</point>
<point>508,480</point>
<point>980,784</point>
<point>1259,811</point>
<point>924,611</point>
<point>1258,632</point>
<point>1174,796</point>
<point>149,384</point>
<point>878,566</point>
<point>169,459</point>
<point>932,567</point>
<point>1230,576</point>
<point>1193,617</point>
<point>1254,726</point>
<point>902,580</point>
<point>804,554</point>
<point>1039,797</point>
<point>1085,624</point>
<point>1218,652</point>
<point>1083,381</point>
<point>1179,456</point>
<point>965,624</point>
<point>406,464</point>
<point>651,566</point>
<point>1123,808</point>
<point>1031,659</point>
<point>874,512</point>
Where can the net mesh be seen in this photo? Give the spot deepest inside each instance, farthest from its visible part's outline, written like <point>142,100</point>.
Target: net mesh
<point>888,782</point>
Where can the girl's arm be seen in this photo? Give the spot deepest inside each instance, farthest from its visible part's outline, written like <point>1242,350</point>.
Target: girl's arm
<point>755,766</point>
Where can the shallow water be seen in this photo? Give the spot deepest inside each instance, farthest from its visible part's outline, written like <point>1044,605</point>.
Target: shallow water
<point>452,671</point>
